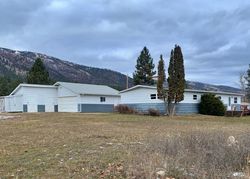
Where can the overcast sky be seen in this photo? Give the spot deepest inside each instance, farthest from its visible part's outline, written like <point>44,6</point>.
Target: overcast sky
<point>214,35</point>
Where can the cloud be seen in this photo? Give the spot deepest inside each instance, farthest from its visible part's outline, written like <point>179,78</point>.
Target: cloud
<point>214,35</point>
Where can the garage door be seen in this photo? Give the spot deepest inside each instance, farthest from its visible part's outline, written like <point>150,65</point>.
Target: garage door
<point>67,104</point>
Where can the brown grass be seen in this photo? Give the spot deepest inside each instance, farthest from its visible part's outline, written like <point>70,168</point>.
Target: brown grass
<point>72,145</point>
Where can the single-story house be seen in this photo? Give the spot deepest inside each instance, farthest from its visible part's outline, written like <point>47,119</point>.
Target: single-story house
<point>142,98</point>
<point>61,97</point>
<point>76,97</point>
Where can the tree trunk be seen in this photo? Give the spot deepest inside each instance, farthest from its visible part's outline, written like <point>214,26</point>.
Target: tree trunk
<point>171,109</point>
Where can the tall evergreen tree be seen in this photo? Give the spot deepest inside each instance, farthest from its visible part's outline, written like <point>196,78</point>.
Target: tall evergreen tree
<point>248,85</point>
<point>161,79</point>
<point>38,73</point>
<point>176,79</point>
<point>144,72</point>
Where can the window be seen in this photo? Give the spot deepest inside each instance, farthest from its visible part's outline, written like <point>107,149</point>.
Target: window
<point>153,96</point>
<point>235,100</point>
<point>194,97</point>
<point>102,99</point>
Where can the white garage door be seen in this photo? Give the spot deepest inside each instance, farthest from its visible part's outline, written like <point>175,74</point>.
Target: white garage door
<point>67,104</point>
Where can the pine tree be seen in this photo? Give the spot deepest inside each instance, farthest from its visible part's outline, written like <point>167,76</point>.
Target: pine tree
<point>144,72</point>
<point>161,79</point>
<point>180,74</point>
<point>7,85</point>
<point>248,85</point>
<point>4,91</point>
<point>176,79</point>
<point>38,73</point>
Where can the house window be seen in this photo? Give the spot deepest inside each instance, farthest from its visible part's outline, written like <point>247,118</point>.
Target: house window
<point>194,97</point>
<point>102,99</point>
<point>153,96</point>
<point>235,100</point>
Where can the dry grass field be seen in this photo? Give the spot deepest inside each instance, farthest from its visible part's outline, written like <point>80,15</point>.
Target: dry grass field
<point>73,145</point>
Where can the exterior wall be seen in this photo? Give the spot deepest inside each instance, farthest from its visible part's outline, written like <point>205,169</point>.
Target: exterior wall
<point>92,103</point>
<point>13,103</point>
<point>140,95</point>
<point>85,108</point>
<point>67,100</point>
<point>140,99</point>
<point>64,92</point>
<point>95,99</point>
<point>34,96</point>
<point>181,108</point>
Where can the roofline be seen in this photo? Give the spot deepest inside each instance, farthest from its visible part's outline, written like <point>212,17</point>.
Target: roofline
<point>60,83</point>
<point>138,86</point>
<point>31,85</point>
<point>186,90</point>
<point>217,92</point>
<point>117,95</point>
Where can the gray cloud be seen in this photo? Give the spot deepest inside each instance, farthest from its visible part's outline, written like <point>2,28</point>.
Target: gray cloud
<point>214,35</point>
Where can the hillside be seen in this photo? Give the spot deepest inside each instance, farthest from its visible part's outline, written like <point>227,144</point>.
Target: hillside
<point>14,63</point>
<point>17,63</point>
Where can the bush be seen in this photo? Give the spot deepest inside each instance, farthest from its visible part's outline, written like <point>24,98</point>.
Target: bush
<point>123,109</point>
<point>211,105</point>
<point>153,112</point>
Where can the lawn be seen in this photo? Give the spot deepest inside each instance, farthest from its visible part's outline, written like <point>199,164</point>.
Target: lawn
<point>73,145</point>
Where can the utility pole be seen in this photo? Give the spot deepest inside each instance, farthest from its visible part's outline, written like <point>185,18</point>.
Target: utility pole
<point>127,82</point>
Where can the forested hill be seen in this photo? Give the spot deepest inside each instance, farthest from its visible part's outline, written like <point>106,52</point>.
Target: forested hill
<point>17,63</point>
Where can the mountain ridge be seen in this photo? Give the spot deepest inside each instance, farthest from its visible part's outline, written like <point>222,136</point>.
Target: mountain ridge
<point>17,63</point>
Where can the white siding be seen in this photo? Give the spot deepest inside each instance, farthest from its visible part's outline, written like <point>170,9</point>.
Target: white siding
<point>67,104</point>
<point>95,99</point>
<point>64,92</point>
<point>139,95</point>
<point>34,96</point>
<point>142,95</point>
<point>13,103</point>
<point>188,98</point>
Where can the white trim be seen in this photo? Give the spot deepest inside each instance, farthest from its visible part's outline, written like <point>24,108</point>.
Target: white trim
<point>86,94</point>
<point>138,86</point>
<point>32,86</point>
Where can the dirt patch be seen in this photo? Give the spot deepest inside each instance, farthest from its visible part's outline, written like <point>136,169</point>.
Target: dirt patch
<point>8,117</point>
